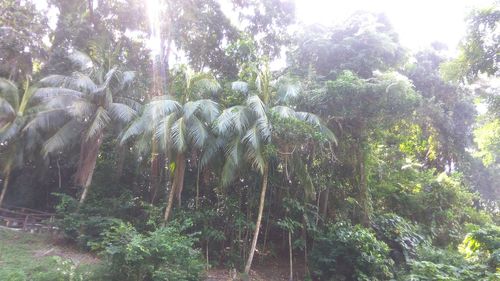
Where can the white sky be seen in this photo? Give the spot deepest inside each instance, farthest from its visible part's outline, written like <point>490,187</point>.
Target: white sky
<point>418,22</point>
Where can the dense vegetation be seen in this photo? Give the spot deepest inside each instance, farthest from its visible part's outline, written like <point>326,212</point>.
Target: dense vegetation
<point>358,160</point>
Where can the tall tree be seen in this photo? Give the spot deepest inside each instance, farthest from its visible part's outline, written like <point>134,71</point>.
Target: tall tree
<point>22,48</point>
<point>15,111</point>
<point>248,130</point>
<point>81,107</point>
<point>179,123</point>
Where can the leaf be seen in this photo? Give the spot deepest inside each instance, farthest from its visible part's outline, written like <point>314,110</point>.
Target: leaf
<point>100,121</point>
<point>66,136</point>
<point>179,135</point>
<point>9,92</point>
<point>121,112</point>
<point>240,86</point>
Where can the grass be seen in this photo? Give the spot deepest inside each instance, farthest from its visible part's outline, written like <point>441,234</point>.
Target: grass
<point>34,257</point>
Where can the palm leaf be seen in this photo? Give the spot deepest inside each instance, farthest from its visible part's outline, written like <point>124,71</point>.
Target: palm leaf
<point>66,136</point>
<point>9,92</point>
<point>197,132</point>
<point>100,121</point>
<point>240,86</point>
<point>179,135</point>
<point>80,59</point>
<point>121,112</point>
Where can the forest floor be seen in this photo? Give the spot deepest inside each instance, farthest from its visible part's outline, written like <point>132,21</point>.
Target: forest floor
<point>27,252</point>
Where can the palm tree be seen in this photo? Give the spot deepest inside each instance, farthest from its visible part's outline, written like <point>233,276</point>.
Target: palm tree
<point>81,107</point>
<point>248,131</point>
<point>179,123</point>
<point>15,109</point>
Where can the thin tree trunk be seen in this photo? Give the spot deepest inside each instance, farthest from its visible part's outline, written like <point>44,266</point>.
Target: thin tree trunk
<point>290,251</point>
<point>259,219</point>
<point>180,170</point>
<point>59,173</point>
<point>89,150</point>
<point>324,210</point>
<point>197,199</point>
<point>178,182</point>
<point>170,203</point>
<point>120,162</point>
<point>5,186</point>
<point>363,186</point>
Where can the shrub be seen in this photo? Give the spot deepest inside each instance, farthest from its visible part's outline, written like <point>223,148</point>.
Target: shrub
<point>164,254</point>
<point>401,236</point>
<point>346,252</point>
<point>483,244</point>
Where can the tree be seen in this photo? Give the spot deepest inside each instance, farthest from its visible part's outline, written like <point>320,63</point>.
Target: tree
<point>22,48</point>
<point>179,123</point>
<point>81,108</point>
<point>247,129</point>
<point>15,109</point>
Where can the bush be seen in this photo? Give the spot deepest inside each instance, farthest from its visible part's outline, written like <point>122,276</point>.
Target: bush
<point>346,252</point>
<point>438,264</point>
<point>429,271</point>
<point>401,236</point>
<point>483,244</point>
<point>164,254</point>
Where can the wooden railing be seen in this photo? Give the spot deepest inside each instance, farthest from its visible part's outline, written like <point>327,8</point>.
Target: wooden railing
<point>27,219</point>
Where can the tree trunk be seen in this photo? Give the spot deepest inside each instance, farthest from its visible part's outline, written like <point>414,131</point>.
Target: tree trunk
<point>5,186</point>
<point>180,170</point>
<point>363,186</point>
<point>290,251</point>
<point>170,203</point>
<point>259,218</point>
<point>89,150</point>
<point>178,182</point>
<point>197,199</point>
<point>120,162</point>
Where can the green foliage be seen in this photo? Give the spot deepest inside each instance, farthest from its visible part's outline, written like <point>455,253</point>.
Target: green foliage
<point>483,244</point>
<point>344,251</point>
<point>400,235</point>
<point>164,254</point>
<point>427,271</point>
<point>487,138</point>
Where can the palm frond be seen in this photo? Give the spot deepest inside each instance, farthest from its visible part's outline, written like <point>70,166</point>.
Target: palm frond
<point>314,120</point>
<point>209,110</point>
<point>121,112</point>
<point>80,109</point>
<point>231,119</point>
<point>9,92</point>
<point>107,79</point>
<point>80,59</point>
<point>137,127</point>
<point>67,135</point>
<point>163,131</point>
<point>135,105</point>
<point>240,86</point>
<point>101,120</point>
<point>48,120</point>
<point>284,111</point>
<point>197,132</point>
<point>212,146</point>
<point>179,135</point>
<point>233,153</point>
<point>6,109</point>
<point>254,148</point>
<point>288,89</point>
<point>9,131</point>
<point>206,85</point>
<point>159,109</point>
<point>257,106</point>
<point>51,92</point>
